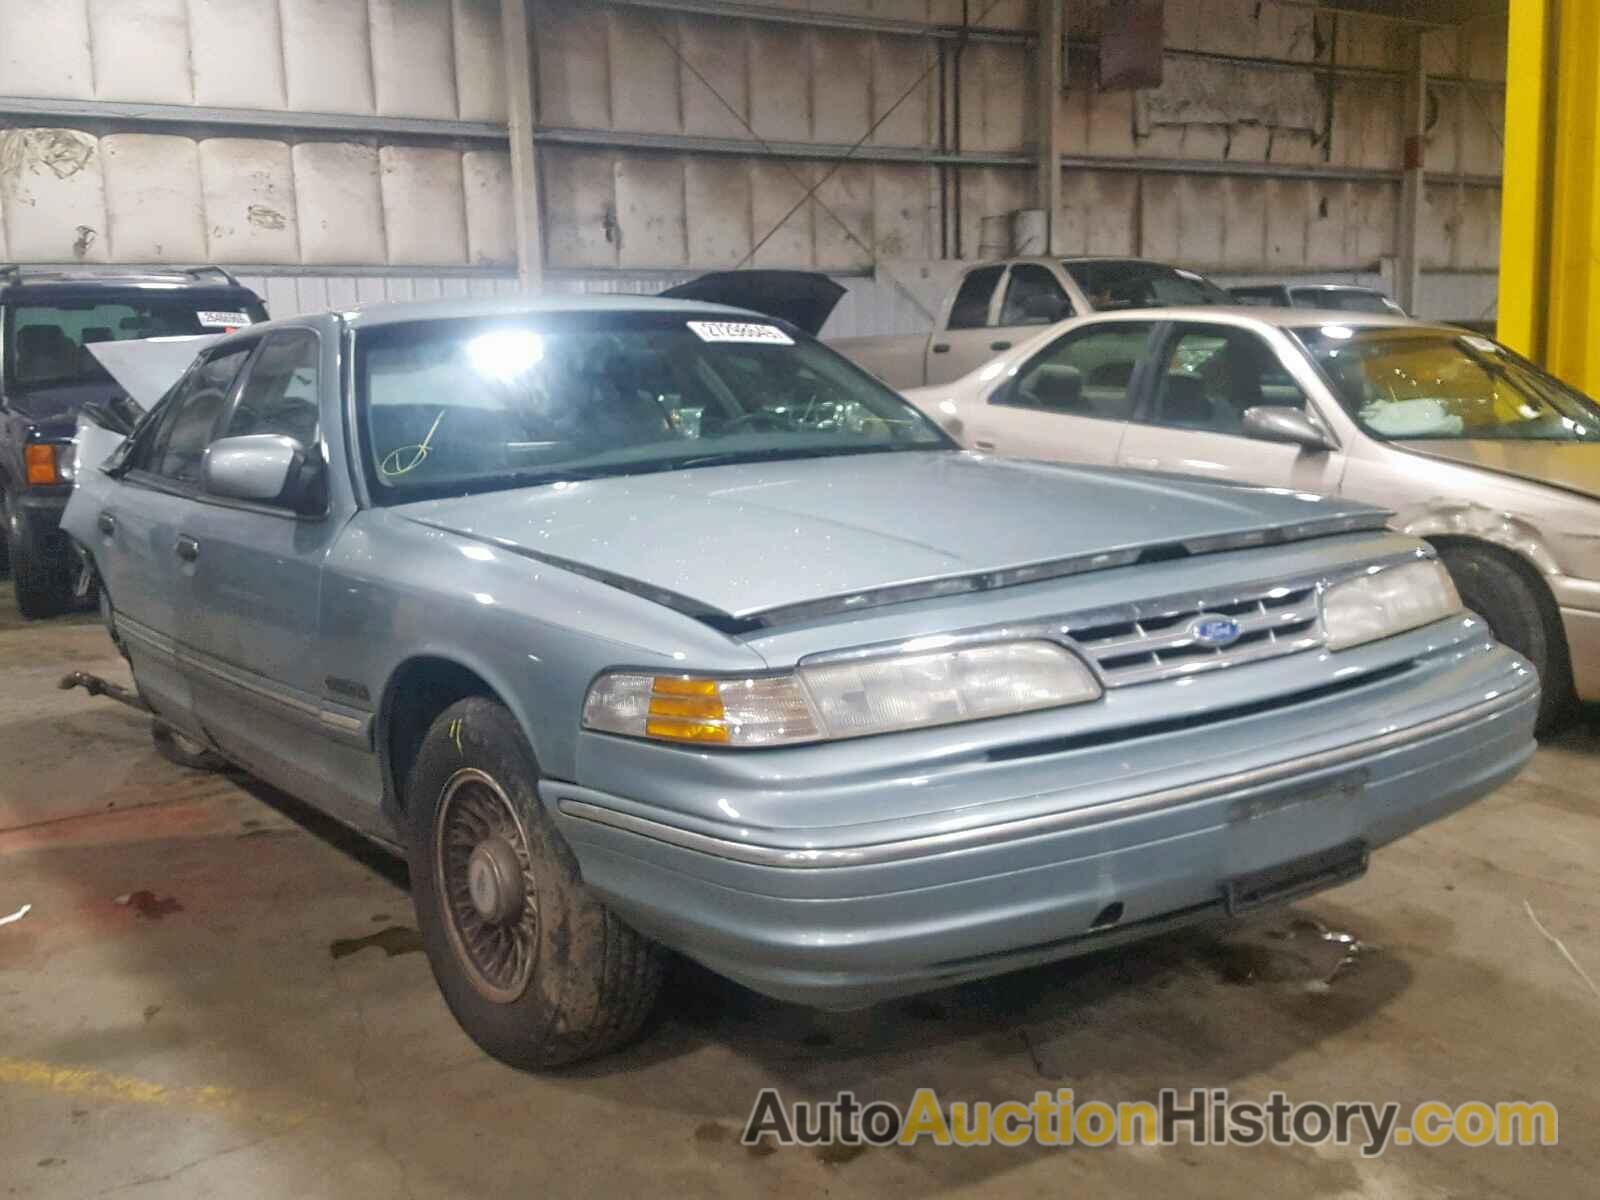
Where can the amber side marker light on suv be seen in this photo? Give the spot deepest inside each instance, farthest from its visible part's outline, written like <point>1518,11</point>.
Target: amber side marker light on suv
<point>48,462</point>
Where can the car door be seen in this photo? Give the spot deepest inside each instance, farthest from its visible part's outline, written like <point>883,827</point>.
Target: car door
<point>1069,402</point>
<point>256,673</point>
<point>138,543</point>
<point>964,342</point>
<point>1204,378</point>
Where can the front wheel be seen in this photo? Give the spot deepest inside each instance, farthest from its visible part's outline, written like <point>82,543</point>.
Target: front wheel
<point>43,582</point>
<point>1519,614</point>
<point>536,969</point>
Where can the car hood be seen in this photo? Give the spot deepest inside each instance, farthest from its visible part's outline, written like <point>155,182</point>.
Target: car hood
<point>805,299</point>
<point>147,367</point>
<point>736,541</point>
<point>1571,466</point>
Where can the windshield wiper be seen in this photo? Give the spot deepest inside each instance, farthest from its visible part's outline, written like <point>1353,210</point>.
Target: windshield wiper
<point>780,454</point>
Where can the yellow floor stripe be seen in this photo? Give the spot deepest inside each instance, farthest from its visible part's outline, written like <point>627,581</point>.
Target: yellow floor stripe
<point>127,1089</point>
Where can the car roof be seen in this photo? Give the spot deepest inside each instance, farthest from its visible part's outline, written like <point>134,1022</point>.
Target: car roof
<point>1278,318</point>
<point>391,313</point>
<point>42,277</point>
<point>1336,287</point>
<point>1081,260</point>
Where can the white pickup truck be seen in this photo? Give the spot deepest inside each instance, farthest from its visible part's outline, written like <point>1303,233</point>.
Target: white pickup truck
<point>997,304</point>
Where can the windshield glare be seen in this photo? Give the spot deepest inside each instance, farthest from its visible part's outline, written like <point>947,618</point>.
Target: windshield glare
<point>47,345</point>
<point>1133,284</point>
<point>451,407</point>
<point>1406,383</point>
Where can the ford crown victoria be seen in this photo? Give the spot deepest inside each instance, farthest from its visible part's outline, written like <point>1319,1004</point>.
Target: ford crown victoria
<point>643,624</point>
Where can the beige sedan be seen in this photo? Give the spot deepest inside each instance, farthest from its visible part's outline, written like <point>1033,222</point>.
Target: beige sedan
<point>1468,444</point>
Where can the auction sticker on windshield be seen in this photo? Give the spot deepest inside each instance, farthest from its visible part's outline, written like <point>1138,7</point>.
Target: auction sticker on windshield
<point>736,331</point>
<point>222,320</point>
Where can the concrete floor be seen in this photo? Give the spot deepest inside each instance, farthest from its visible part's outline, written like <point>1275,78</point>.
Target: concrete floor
<point>253,1019</point>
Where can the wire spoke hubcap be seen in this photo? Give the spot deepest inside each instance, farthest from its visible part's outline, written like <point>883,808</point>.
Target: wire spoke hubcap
<point>485,879</point>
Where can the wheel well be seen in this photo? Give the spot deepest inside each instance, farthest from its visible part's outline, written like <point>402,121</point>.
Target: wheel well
<point>418,692</point>
<point>1511,558</point>
<point>1549,610</point>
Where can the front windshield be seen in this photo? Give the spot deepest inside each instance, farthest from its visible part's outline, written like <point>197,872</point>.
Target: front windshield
<point>1408,383</point>
<point>47,342</point>
<point>453,407</point>
<point>1114,283</point>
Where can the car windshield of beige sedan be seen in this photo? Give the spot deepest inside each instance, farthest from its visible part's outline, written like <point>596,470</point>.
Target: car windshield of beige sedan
<point>1407,383</point>
<point>451,407</point>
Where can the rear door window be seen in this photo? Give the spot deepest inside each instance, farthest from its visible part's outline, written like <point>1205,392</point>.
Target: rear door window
<point>971,307</point>
<point>1133,283</point>
<point>1088,373</point>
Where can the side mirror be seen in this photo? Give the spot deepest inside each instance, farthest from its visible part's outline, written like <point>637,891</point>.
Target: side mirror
<point>1275,423</point>
<point>265,468</point>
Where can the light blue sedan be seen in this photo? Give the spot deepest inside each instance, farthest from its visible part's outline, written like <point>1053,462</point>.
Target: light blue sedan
<point>644,624</point>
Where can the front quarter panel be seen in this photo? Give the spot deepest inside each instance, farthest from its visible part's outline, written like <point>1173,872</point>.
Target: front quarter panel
<point>1555,531</point>
<point>397,590</point>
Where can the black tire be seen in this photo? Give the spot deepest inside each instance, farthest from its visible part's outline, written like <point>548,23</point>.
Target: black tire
<point>43,584</point>
<point>183,750</point>
<point>555,976</point>
<point>1521,614</point>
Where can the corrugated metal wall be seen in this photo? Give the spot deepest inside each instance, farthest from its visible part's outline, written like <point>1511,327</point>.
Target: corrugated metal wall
<point>313,135</point>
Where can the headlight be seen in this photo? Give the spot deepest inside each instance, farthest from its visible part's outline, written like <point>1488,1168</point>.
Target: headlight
<point>1387,601</point>
<point>852,698</point>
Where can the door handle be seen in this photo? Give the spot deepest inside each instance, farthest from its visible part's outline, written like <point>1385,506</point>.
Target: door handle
<point>106,523</point>
<point>999,345</point>
<point>1141,464</point>
<point>941,347</point>
<point>187,548</point>
<point>980,444</point>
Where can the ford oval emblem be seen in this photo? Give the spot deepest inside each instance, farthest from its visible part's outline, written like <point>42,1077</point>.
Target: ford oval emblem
<point>1211,629</point>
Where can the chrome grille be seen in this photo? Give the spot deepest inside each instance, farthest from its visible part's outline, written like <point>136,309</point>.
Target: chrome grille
<point>1156,640</point>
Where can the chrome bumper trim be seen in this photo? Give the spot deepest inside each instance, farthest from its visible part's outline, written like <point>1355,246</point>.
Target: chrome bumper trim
<point>1027,827</point>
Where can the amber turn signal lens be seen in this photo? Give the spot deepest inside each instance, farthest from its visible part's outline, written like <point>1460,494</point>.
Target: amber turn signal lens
<point>41,461</point>
<point>686,710</point>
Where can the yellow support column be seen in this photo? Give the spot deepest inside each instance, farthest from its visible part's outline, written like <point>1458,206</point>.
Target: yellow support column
<point>1550,207</point>
<point>1525,184</point>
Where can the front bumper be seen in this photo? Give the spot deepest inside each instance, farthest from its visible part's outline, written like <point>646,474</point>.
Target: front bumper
<point>41,508</point>
<point>1162,824</point>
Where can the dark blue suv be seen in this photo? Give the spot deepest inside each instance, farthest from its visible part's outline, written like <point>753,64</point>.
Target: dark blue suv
<point>49,317</point>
